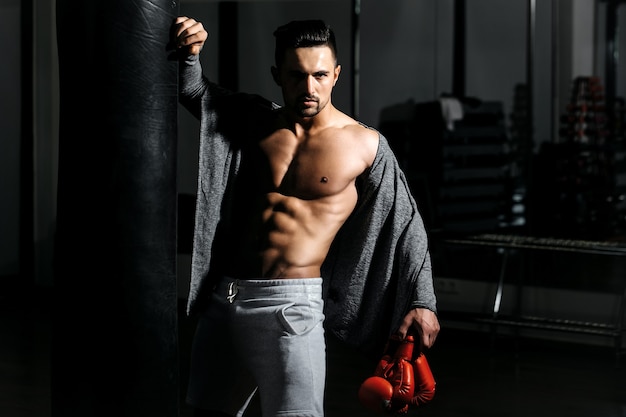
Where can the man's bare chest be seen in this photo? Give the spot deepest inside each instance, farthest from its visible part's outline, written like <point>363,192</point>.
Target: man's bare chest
<point>307,169</point>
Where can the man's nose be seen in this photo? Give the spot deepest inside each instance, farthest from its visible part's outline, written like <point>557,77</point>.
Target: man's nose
<point>310,84</point>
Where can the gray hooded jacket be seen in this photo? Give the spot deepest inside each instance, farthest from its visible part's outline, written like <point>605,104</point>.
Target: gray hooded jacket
<point>378,267</point>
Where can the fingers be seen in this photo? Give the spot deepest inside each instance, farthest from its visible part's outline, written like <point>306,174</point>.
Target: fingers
<point>189,34</point>
<point>430,329</point>
<point>425,324</point>
<point>405,326</point>
<point>180,19</point>
<point>428,339</point>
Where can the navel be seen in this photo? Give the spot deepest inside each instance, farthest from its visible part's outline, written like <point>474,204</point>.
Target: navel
<point>324,180</point>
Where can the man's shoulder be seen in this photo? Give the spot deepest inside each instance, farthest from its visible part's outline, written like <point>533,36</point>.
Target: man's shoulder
<point>366,138</point>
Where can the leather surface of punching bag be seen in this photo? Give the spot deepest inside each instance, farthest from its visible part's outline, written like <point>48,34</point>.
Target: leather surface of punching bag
<point>115,349</point>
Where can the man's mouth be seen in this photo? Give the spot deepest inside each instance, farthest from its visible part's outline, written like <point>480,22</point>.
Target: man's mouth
<point>308,100</point>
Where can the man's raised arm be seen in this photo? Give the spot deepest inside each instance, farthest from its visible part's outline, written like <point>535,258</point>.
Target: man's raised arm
<point>188,38</point>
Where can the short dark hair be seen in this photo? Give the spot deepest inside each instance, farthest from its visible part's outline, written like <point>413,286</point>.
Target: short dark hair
<point>303,34</point>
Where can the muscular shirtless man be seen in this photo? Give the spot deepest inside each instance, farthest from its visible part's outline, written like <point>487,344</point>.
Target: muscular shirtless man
<point>287,183</point>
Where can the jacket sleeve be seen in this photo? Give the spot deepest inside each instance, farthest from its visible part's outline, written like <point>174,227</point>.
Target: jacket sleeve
<point>195,87</point>
<point>191,83</point>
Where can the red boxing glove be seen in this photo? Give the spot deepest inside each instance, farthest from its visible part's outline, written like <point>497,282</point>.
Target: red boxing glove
<point>396,368</point>
<point>424,381</point>
<point>375,393</point>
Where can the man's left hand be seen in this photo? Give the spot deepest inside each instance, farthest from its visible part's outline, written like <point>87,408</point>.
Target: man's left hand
<point>424,322</point>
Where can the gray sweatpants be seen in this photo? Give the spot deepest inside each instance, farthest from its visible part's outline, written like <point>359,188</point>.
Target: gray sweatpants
<point>261,333</point>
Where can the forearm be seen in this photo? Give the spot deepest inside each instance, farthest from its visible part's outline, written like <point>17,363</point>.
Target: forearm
<point>424,296</point>
<point>192,83</point>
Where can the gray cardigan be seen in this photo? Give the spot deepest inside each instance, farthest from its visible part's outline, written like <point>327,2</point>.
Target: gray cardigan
<point>378,267</point>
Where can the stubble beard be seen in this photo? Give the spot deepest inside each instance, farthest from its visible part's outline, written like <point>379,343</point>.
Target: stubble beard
<point>308,111</point>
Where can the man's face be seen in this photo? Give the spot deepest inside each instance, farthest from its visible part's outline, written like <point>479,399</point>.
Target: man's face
<point>307,77</point>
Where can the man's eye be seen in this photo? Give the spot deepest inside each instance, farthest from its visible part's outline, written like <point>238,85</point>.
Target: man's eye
<point>297,75</point>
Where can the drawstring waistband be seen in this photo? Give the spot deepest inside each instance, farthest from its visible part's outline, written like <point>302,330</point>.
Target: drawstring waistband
<point>232,288</point>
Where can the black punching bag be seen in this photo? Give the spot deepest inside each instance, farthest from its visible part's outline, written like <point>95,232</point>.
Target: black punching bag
<point>115,346</point>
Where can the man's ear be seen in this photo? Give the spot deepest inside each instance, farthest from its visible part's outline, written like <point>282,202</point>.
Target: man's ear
<point>275,75</point>
<point>337,72</point>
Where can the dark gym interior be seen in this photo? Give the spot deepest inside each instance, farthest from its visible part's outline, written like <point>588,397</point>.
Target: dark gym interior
<point>508,119</point>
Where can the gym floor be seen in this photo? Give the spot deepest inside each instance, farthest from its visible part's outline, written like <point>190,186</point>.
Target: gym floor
<point>518,377</point>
